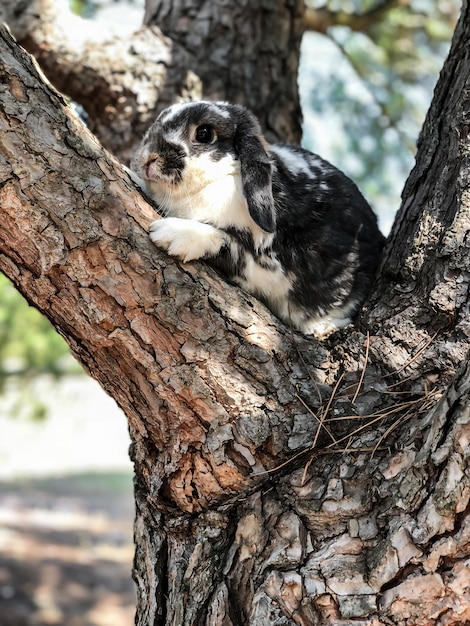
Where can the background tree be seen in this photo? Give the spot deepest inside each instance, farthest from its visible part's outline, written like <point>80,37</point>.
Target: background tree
<point>278,479</point>
<point>384,58</point>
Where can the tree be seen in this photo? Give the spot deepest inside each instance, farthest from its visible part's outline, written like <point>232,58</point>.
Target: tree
<point>249,54</point>
<point>278,479</point>
<point>395,49</point>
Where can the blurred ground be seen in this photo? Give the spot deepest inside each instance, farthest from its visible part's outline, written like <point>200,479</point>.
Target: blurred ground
<point>66,511</point>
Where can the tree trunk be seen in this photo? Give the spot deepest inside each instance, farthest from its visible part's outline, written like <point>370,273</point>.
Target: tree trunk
<point>422,290</point>
<point>243,51</point>
<point>279,480</point>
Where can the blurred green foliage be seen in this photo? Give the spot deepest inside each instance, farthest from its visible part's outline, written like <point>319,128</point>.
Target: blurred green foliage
<point>84,8</point>
<point>373,92</point>
<point>29,347</point>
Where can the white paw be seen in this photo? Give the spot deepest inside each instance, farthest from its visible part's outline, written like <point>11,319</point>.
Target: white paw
<point>186,239</point>
<point>322,328</point>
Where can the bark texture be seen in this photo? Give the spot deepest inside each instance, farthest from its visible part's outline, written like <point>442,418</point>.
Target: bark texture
<point>122,83</point>
<point>244,51</point>
<point>279,480</point>
<point>424,279</point>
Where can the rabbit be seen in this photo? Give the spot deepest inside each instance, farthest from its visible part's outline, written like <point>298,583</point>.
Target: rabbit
<point>281,222</point>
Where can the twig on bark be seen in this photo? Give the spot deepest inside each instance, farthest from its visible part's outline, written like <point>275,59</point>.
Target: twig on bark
<point>361,379</point>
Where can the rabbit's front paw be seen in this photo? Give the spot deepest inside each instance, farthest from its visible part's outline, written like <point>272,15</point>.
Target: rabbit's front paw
<point>186,239</point>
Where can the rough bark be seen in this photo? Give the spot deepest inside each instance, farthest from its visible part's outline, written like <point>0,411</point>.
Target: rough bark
<point>249,511</point>
<point>122,83</point>
<point>244,51</point>
<point>423,287</point>
<point>248,54</point>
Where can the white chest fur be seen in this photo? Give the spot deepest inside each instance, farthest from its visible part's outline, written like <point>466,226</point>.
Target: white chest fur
<point>210,192</point>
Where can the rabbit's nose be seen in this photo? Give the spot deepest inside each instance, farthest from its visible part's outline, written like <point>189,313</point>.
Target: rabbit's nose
<point>153,165</point>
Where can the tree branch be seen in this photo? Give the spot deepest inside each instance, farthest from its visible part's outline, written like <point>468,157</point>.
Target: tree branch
<point>78,243</point>
<point>322,19</point>
<point>224,402</point>
<point>202,372</point>
<point>121,82</point>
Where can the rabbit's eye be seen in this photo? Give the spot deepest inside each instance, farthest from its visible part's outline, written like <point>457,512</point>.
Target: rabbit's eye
<point>204,134</point>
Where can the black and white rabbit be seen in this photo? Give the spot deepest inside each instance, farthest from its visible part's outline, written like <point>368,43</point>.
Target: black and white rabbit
<point>281,222</point>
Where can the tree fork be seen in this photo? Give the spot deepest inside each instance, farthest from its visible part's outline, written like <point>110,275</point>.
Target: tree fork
<point>186,355</point>
<point>220,397</point>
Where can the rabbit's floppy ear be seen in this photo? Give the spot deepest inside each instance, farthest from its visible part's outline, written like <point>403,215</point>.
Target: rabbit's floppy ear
<point>256,169</point>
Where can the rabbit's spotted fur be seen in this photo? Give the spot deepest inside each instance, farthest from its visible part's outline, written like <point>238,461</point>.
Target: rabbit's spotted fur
<point>280,221</point>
